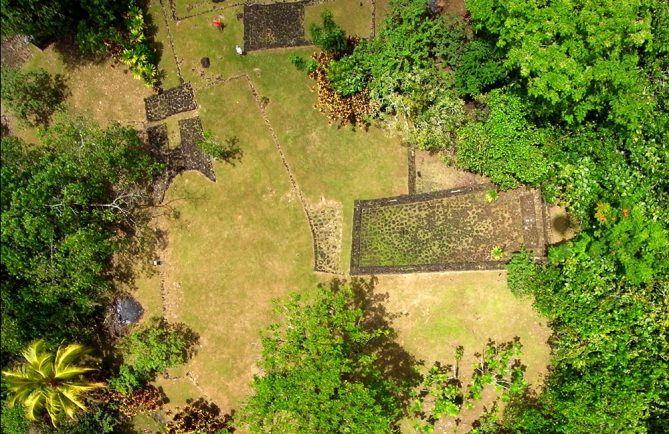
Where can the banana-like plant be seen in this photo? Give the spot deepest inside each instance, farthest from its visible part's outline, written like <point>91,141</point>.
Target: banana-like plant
<point>47,382</point>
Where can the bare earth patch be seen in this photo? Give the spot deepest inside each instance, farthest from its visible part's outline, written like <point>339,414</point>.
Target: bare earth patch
<point>432,174</point>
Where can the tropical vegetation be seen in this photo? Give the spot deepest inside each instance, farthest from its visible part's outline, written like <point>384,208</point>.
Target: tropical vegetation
<point>51,382</point>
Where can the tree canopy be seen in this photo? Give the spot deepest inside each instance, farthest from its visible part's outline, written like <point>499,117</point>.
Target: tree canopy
<point>65,206</point>
<point>320,370</point>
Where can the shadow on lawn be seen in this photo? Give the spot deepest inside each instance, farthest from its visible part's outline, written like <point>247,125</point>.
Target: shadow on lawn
<point>396,363</point>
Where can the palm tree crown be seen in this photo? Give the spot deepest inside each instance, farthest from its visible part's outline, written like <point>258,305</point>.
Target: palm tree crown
<point>47,382</point>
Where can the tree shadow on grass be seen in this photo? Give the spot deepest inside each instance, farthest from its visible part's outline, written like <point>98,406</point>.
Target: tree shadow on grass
<point>396,363</point>
<point>72,57</point>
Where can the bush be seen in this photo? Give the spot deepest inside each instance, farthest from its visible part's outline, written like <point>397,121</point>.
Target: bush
<point>435,129</point>
<point>522,274</point>
<point>127,380</point>
<point>302,64</point>
<point>13,420</point>
<point>227,151</point>
<point>151,350</point>
<point>137,52</point>
<point>352,109</point>
<point>505,146</point>
<point>33,96</point>
<point>479,68</point>
<point>329,37</point>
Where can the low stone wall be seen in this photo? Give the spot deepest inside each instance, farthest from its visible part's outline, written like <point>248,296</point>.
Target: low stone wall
<point>170,102</point>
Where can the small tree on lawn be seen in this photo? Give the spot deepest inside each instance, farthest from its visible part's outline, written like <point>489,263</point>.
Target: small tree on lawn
<point>33,96</point>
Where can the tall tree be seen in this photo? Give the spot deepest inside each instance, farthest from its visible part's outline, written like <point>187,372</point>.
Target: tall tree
<point>48,382</point>
<point>66,207</point>
<point>320,370</point>
<point>579,59</point>
<point>43,20</point>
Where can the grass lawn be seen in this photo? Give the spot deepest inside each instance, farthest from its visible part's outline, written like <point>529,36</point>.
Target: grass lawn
<point>243,241</point>
<point>439,311</point>
<point>226,256</point>
<point>104,92</point>
<point>353,16</point>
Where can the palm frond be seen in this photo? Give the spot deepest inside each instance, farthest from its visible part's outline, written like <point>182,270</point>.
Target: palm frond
<point>71,400</point>
<point>39,361</point>
<point>54,407</point>
<point>69,372</point>
<point>33,403</point>
<point>67,355</point>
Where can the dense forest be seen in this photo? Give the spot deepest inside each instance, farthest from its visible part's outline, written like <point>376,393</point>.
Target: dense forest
<point>571,97</point>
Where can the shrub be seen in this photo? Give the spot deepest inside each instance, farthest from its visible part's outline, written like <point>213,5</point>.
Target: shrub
<point>497,253</point>
<point>329,37</point>
<point>353,109</point>
<point>33,96</point>
<point>137,53</point>
<point>491,196</point>
<point>151,350</point>
<point>13,420</point>
<point>127,380</point>
<point>227,151</point>
<point>199,417</point>
<point>522,274</point>
<point>435,128</point>
<point>302,64</point>
<point>505,146</point>
<point>479,67</point>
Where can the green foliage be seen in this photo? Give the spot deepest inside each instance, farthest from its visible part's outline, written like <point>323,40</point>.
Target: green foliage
<point>92,40</point>
<point>13,420</point>
<point>227,151</point>
<point>435,128</point>
<point>98,26</point>
<point>497,253</point>
<point>302,64</point>
<point>633,244</point>
<point>37,18</point>
<point>51,382</point>
<point>62,208</point>
<point>329,37</point>
<point>442,392</point>
<point>491,196</point>
<point>606,295</point>
<point>411,39</point>
<point>321,370</point>
<point>346,75</point>
<point>98,421</point>
<point>33,96</point>
<point>44,20</point>
<point>151,350</point>
<point>505,146</point>
<point>573,68</point>
<point>127,380</point>
<point>522,274</point>
<point>137,52</point>
<point>479,68</point>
